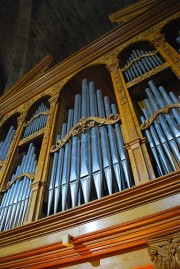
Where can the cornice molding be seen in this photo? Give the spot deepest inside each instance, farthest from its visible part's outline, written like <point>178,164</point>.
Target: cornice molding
<point>102,243</point>
<point>128,13</point>
<point>93,51</point>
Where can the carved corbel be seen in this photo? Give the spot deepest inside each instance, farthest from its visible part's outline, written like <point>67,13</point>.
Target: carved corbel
<point>165,251</point>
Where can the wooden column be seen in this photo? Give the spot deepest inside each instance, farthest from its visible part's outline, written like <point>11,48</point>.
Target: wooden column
<point>135,142</point>
<point>169,54</point>
<point>7,162</point>
<point>165,251</point>
<point>39,184</point>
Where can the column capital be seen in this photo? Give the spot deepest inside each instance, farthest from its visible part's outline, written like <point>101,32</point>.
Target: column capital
<point>165,251</point>
<point>159,41</point>
<point>113,65</point>
<point>54,99</point>
<point>21,118</point>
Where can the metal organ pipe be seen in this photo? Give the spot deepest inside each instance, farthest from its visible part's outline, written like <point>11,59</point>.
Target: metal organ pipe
<point>38,121</point>
<point>163,133</point>
<point>140,62</point>
<point>16,198</point>
<point>93,163</point>
<point>4,145</point>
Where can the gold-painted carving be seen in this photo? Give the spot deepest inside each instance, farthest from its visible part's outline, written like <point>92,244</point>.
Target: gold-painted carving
<point>36,116</point>
<point>150,53</point>
<point>28,138</point>
<point>148,74</point>
<point>113,67</point>
<point>147,123</point>
<point>83,125</point>
<point>165,254</point>
<point>9,184</point>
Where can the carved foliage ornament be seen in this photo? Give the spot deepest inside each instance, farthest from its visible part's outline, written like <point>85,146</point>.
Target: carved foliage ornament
<point>147,123</point>
<point>166,255</point>
<point>148,74</point>
<point>9,184</point>
<point>83,125</point>
<point>36,116</point>
<point>114,69</point>
<point>150,53</point>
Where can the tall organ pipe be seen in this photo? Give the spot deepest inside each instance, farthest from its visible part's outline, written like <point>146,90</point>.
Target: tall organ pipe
<point>91,160</point>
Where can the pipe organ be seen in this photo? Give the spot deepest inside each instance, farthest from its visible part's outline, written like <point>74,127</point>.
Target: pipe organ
<point>139,62</point>
<point>17,193</point>
<point>37,121</point>
<point>162,130</point>
<point>89,158</point>
<point>90,152</point>
<point>4,145</point>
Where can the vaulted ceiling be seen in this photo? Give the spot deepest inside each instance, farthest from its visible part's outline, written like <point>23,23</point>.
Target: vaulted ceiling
<point>31,29</point>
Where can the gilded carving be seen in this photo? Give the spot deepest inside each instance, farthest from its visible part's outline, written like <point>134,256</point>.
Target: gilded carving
<point>113,67</point>
<point>150,53</point>
<point>30,137</point>
<point>83,125</point>
<point>147,123</point>
<point>53,101</point>
<point>165,254</point>
<point>35,116</point>
<point>9,184</point>
<point>148,74</point>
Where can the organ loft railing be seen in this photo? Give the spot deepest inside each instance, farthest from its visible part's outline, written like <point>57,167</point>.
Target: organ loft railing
<point>89,158</point>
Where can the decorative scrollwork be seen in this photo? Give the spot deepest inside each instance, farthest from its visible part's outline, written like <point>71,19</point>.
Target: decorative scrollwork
<point>150,53</point>
<point>148,74</point>
<point>28,138</point>
<point>147,123</point>
<point>83,125</point>
<point>1,163</point>
<point>36,116</point>
<point>9,184</point>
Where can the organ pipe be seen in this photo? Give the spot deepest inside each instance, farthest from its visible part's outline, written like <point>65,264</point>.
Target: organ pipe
<point>140,62</point>
<point>4,145</point>
<point>37,121</point>
<point>16,197</point>
<point>162,129</point>
<point>93,163</point>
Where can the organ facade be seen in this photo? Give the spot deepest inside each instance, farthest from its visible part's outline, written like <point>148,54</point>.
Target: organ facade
<point>89,151</point>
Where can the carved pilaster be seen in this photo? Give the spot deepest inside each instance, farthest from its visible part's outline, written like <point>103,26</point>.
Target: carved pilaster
<point>53,102</point>
<point>165,251</point>
<point>168,53</point>
<point>113,67</point>
<point>39,184</point>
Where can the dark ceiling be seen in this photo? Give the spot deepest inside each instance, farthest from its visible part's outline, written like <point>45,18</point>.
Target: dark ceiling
<point>31,29</point>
